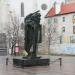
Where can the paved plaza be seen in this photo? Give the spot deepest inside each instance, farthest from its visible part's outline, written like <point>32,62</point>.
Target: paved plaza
<point>67,68</point>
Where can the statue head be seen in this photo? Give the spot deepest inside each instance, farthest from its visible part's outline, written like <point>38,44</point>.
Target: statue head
<point>33,18</point>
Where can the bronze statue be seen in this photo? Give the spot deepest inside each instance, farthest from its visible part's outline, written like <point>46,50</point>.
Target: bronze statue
<point>32,38</point>
<point>32,33</point>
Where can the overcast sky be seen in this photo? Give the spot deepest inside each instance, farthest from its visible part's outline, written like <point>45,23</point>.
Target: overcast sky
<point>31,6</point>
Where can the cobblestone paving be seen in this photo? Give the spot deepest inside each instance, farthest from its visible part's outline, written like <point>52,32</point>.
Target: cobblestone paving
<point>67,68</point>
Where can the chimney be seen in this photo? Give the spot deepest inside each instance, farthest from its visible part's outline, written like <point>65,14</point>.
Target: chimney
<point>55,4</point>
<point>63,3</point>
<point>57,7</point>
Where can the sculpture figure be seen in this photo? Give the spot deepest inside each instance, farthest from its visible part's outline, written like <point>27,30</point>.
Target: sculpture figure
<point>32,33</point>
<point>32,38</point>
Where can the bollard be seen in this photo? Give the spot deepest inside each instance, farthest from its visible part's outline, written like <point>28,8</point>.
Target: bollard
<point>7,61</point>
<point>60,61</point>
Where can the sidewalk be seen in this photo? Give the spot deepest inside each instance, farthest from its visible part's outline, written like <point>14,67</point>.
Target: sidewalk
<point>67,68</point>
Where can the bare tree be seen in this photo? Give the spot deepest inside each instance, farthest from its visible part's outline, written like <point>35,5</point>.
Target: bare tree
<point>53,36</point>
<point>12,30</point>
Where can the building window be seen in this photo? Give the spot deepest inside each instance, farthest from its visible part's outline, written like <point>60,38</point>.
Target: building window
<point>43,6</point>
<point>60,39</point>
<point>63,19</point>
<point>72,39</point>
<point>22,9</point>
<point>73,20</point>
<point>63,29</point>
<point>55,20</point>
<point>73,29</point>
<point>49,21</point>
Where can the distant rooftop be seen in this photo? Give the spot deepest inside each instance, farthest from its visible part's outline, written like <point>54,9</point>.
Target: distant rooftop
<point>65,9</point>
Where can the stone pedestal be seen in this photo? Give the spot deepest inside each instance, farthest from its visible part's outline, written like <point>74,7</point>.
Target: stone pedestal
<point>24,62</point>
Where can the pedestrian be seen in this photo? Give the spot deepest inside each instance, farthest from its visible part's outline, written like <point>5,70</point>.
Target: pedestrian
<point>7,60</point>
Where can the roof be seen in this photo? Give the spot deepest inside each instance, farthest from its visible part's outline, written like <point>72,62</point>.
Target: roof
<point>65,9</point>
<point>51,12</point>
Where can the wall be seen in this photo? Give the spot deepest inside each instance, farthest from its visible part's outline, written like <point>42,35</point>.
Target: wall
<point>3,14</point>
<point>66,47</point>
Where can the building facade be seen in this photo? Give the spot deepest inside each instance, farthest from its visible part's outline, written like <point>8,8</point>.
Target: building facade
<point>20,9</point>
<point>65,23</point>
<point>13,13</point>
<point>3,22</point>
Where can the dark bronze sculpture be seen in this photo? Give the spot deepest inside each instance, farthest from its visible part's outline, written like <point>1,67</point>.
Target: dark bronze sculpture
<point>32,33</point>
<point>32,38</point>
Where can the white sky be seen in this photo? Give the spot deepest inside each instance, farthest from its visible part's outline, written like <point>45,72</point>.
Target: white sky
<point>32,5</point>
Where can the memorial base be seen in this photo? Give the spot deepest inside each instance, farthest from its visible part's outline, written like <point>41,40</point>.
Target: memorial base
<point>24,62</point>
